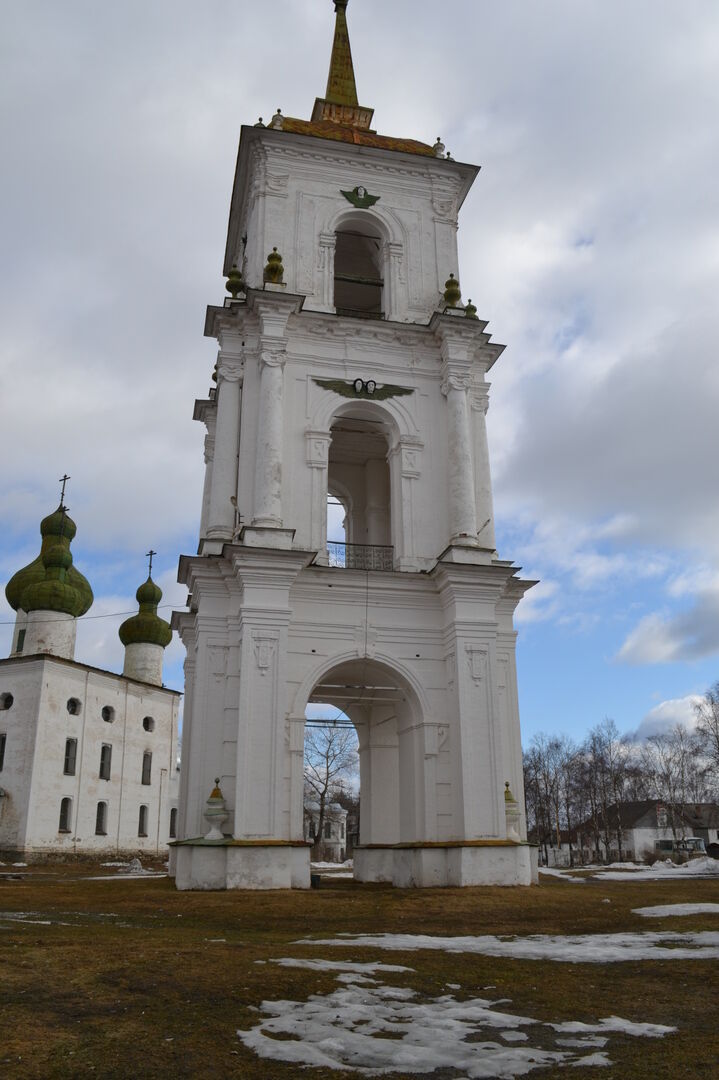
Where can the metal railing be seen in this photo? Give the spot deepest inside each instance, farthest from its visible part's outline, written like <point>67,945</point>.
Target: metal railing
<point>360,556</point>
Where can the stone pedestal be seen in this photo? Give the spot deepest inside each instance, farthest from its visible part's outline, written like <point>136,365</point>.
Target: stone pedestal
<point>241,864</point>
<point>480,862</point>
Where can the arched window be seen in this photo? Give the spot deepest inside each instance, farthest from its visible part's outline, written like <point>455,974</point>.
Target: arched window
<point>101,819</point>
<point>359,276</point>
<point>147,768</point>
<point>142,822</point>
<point>65,816</point>
<point>173,822</point>
<point>358,479</point>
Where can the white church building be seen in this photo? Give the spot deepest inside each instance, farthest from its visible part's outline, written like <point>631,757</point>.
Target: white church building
<point>349,368</point>
<point>88,758</point>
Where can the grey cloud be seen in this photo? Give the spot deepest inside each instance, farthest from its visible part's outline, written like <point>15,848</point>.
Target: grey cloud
<point>688,635</point>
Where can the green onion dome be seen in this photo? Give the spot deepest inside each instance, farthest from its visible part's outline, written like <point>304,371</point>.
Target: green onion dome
<point>146,627</point>
<point>57,530</point>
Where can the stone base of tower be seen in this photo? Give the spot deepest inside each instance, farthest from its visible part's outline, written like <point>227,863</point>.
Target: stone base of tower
<point>479,862</point>
<point>241,864</point>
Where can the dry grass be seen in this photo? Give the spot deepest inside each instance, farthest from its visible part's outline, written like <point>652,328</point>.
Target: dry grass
<point>147,994</point>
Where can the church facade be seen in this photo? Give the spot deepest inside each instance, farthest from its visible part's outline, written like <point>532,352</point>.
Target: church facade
<point>349,368</point>
<point>88,758</point>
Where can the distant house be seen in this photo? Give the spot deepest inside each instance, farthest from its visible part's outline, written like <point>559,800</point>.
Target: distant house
<point>331,846</point>
<point>553,853</point>
<point>642,825</point>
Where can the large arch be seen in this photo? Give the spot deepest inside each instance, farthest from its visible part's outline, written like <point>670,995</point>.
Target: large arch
<point>389,712</point>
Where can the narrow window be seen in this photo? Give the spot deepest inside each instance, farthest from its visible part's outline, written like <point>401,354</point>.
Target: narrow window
<point>6,702</point>
<point>21,640</point>
<point>173,823</point>
<point>148,723</point>
<point>105,761</point>
<point>313,829</point>
<point>328,831</point>
<point>3,738</point>
<point>342,832</point>
<point>101,819</point>
<point>358,276</point>
<point>142,823</point>
<point>147,767</point>
<point>70,757</point>
<point>73,706</point>
<point>108,714</point>
<point>65,815</point>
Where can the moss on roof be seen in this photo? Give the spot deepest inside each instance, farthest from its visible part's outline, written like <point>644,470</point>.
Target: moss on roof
<point>146,627</point>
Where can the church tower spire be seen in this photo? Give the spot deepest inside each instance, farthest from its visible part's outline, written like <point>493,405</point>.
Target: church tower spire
<point>340,103</point>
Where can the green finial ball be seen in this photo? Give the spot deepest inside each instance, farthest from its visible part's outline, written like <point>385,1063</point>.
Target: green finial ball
<point>274,271</point>
<point>234,283</point>
<point>452,293</point>
<point>470,310</point>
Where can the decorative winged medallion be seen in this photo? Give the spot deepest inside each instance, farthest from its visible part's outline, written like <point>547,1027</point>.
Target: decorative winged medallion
<point>361,388</point>
<point>360,197</point>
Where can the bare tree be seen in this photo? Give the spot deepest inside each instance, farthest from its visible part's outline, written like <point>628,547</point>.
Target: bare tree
<point>707,714</point>
<point>675,771</point>
<point>330,761</point>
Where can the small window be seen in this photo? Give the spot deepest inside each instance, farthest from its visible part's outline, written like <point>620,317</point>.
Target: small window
<point>342,832</point>
<point>105,761</point>
<point>328,831</point>
<point>74,707</point>
<point>147,767</point>
<point>20,640</point>
<point>108,714</point>
<point>142,823</point>
<point>148,723</point>
<point>3,738</point>
<point>70,757</point>
<point>313,829</point>
<point>65,816</point>
<point>173,823</point>
<point>6,702</point>
<point>101,819</point>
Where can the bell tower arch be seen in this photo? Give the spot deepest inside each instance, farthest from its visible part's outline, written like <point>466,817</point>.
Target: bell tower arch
<point>348,365</point>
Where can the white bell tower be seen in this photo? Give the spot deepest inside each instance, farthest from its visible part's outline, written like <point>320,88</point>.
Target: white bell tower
<point>348,366</point>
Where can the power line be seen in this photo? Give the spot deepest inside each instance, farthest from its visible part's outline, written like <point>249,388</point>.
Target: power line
<point>109,615</point>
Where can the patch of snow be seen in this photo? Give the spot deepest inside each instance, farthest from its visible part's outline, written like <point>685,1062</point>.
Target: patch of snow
<point>551,871</point>
<point>570,948</point>
<point>19,864</point>
<point>339,965</point>
<point>614,1024</point>
<point>142,876</point>
<point>660,911</point>
<point>385,1029</point>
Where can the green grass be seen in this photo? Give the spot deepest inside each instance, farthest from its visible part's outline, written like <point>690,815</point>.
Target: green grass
<point>146,994</point>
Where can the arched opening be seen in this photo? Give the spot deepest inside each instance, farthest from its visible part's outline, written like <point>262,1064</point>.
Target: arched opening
<point>359,527</point>
<point>65,825</point>
<point>371,698</point>
<point>359,272</point>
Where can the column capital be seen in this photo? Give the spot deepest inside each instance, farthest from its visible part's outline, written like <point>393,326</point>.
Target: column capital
<point>230,368</point>
<point>273,354</point>
<point>458,380</point>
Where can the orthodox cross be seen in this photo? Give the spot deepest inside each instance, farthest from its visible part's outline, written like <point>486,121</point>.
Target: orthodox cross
<point>149,555</point>
<point>63,480</point>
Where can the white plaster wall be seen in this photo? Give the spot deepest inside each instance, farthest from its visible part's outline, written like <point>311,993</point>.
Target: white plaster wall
<point>19,724</point>
<point>288,195</point>
<point>52,685</point>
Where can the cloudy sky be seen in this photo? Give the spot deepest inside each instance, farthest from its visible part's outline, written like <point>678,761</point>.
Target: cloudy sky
<point>590,242</point>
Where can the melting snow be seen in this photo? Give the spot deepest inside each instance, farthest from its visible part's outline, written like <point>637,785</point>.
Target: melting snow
<point>659,911</point>
<point>570,948</point>
<point>659,871</point>
<point>385,1029</point>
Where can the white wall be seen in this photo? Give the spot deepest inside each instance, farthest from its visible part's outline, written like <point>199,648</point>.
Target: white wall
<point>35,755</point>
